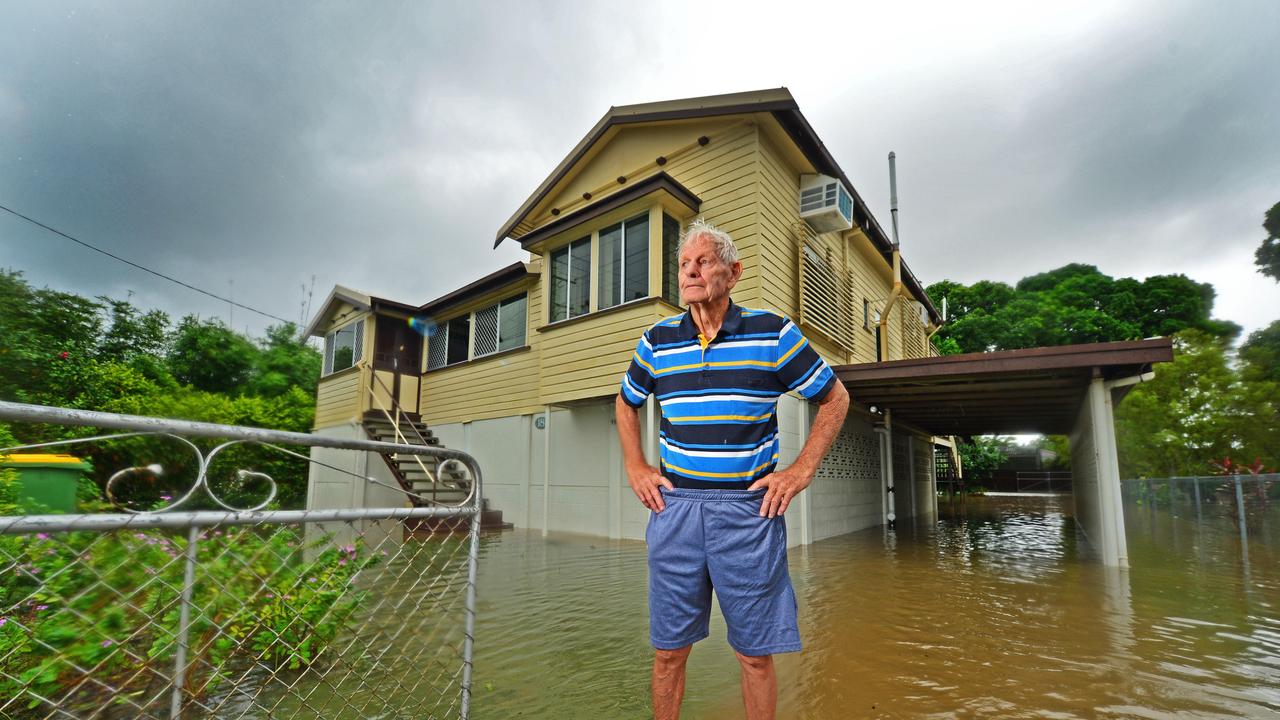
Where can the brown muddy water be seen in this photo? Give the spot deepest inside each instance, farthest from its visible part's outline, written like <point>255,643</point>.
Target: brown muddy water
<point>996,610</point>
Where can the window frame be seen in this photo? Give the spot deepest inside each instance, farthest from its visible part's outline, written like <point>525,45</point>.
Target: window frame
<point>497,343</point>
<point>444,331</point>
<point>619,263</point>
<point>356,327</point>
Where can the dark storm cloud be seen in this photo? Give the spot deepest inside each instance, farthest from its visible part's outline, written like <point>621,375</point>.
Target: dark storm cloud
<point>381,146</point>
<point>1149,147</point>
<point>262,144</point>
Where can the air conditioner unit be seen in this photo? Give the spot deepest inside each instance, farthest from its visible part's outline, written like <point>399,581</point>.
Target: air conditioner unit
<point>825,203</point>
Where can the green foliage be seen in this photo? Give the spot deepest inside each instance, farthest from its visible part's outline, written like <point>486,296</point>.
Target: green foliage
<point>284,362</point>
<point>1075,303</point>
<point>64,350</point>
<point>1260,354</point>
<point>981,455</point>
<point>1195,411</point>
<point>276,607</point>
<point>209,356</point>
<point>1060,446</point>
<point>1267,257</point>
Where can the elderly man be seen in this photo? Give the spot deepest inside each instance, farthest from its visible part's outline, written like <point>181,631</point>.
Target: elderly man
<point>717,501</point>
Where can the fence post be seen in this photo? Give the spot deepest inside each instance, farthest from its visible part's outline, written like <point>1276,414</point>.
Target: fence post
<point>1196,480</point>
<point>1244,532</point>
<point>184,624</point>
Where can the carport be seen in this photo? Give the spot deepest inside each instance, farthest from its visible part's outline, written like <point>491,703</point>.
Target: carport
<point>1068,390</point>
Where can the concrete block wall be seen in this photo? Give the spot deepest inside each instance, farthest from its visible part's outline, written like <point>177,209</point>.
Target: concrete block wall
<point>845,496</point>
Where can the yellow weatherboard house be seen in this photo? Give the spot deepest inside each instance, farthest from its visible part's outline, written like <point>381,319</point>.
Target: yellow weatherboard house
<point>520,367</point>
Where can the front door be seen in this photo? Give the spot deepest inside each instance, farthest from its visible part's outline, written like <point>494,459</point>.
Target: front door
<point>397,359</point>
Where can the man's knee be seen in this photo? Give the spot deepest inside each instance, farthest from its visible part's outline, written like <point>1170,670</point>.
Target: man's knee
<point>755,664</point>
<point>667,660</point>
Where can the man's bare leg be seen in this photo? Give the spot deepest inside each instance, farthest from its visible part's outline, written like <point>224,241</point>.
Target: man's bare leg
<point>759,686</point>
<point>668,682</point>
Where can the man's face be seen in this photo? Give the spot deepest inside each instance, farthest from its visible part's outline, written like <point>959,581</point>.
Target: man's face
<point>704,277</point>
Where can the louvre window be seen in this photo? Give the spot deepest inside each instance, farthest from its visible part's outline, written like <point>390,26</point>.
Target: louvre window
<point>448,344</point>
<point>437,345</point>
<point>624,262</point>
<point>670,260</point>
<point>343,347</point>
<point>500,327</point>
<point>486,331</point>
<point>826,293</point>
<point>571,280</point>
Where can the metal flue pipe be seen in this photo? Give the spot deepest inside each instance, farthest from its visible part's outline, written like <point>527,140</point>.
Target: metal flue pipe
<point>893,194</point>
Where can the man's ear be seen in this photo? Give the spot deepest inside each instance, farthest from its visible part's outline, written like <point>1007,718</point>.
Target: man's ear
<point>737,270</point>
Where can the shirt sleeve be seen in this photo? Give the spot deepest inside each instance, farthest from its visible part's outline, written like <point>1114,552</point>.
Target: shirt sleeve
<point>800,368</point>
<point>638,380</point>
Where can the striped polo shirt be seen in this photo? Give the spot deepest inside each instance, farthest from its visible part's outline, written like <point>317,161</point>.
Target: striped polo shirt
<point>719,397</point>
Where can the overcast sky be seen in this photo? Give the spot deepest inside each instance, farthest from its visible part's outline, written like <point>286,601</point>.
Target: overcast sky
<point>245,147</point>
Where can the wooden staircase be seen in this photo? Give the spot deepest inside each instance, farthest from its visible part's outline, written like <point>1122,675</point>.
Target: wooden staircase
<point>452,486</point>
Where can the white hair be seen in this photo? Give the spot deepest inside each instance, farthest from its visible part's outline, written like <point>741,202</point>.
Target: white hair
<point>724,247</point>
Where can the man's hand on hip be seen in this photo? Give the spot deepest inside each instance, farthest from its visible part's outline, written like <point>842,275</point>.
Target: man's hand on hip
<point>645,480</point>
<point>781,487</point>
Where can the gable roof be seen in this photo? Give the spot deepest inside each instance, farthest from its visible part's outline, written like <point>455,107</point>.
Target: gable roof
<point>340,293</point>
<point>784,109</point>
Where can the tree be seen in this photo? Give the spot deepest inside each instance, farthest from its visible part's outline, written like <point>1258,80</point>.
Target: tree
<point>1075,303</point>
<point>1267,257</point>
<point>285,362</point>
<point>1260,354</point>
<point>210,356</point>
<point>132,334</point>
<point>1196,410</point>
<point>981,455</point>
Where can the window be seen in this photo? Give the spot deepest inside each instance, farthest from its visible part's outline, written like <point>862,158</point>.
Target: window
<point>500,327</point>
<point>448,343</point>
<point>571,280</point>
<point>670,260</point>
<point>343,347</point>
<point>624,262</point>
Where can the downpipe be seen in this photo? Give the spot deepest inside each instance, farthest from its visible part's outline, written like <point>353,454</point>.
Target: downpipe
<point>886,463</point>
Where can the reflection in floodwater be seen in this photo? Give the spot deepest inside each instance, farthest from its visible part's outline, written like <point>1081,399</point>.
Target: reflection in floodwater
<point>996,611</point>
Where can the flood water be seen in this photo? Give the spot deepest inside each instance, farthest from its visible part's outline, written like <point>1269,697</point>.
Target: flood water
<point>996,610</point>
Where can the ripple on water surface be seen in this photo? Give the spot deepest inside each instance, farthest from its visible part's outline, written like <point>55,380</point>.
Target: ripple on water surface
<point>995,610</point>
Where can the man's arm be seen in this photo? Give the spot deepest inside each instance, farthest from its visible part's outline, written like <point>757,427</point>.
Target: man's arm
<point>643,477</point>
<point>786,484</point>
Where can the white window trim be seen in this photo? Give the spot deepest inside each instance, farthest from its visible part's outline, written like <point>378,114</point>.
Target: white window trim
<point>471,333</point>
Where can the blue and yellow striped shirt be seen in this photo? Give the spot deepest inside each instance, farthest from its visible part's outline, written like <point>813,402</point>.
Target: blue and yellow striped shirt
<point>719,397</point>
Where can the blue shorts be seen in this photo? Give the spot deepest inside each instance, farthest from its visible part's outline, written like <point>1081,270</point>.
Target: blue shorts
<point>707,539</point>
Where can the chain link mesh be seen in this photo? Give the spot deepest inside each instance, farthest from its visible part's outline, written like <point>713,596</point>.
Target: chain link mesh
<point>286,620</point>
<point>359,613</point>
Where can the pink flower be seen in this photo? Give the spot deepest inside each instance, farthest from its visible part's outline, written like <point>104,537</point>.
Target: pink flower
<point>42,536</point>
<point>108,643</point>
<point>3,620</point>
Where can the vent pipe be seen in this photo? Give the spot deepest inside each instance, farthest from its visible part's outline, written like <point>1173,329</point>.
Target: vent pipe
<point>893,194</point>
<point>883,351</point>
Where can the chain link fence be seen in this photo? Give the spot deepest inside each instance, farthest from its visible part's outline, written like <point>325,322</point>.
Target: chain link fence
<point>231,613</point>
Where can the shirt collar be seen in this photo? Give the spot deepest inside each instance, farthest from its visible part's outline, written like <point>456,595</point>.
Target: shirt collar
<point>732,322</point>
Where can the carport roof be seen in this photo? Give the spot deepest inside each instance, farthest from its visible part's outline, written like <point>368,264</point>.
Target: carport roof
<point>1037,390</point>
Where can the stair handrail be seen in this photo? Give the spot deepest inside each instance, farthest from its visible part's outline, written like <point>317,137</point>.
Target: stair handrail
<point>395,424</point>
